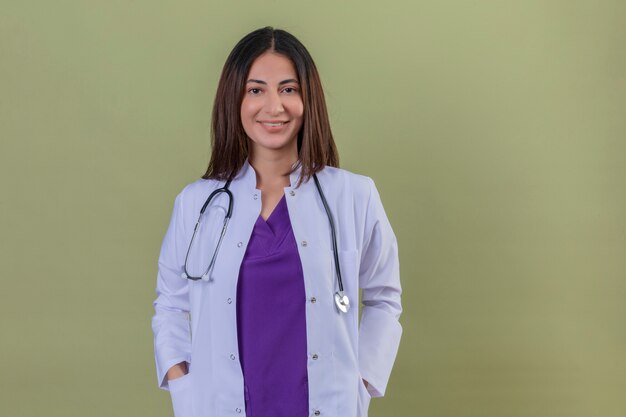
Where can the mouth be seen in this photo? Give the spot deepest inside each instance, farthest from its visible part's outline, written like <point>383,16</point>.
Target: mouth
<point>273,123</point>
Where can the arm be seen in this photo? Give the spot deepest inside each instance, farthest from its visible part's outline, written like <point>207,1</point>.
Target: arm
<point>379,279</point>
<point>170,323</point>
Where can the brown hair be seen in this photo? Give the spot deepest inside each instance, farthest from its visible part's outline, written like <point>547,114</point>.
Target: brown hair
<point>229,142</point>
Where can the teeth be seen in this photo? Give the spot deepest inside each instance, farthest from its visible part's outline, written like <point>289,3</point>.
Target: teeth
<point>274,124</point>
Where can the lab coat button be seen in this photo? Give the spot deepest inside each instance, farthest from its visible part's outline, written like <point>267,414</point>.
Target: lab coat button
<point>304,243</point>
<point>229,301</point>
<point>313,300</point>
<point>240,244</point>
<point>232,356</point>
<point>255,196</point>
<point>238,410</point>
<point>317,412</point>
<point>315,356</point>
<point>292,193</point>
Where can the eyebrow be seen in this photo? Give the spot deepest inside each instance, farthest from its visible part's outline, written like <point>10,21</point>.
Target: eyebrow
<point>291,80</point>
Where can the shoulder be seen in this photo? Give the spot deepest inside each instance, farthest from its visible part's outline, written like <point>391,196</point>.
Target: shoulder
<point>199,186</point>
<point>360,186</point>
<point>196,192</point>
<point>356,191</point>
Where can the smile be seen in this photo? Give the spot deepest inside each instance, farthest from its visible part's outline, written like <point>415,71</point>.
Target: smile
<point>273,123</point>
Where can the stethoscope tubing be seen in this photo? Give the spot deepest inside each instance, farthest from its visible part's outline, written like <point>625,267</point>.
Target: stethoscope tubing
<point>341,299</point>
<point>332,232</point>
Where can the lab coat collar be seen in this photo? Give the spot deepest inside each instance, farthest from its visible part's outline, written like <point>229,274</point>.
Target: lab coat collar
<point>247,175</point>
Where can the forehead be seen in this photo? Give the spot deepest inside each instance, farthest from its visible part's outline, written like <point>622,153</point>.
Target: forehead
<point>271,66</point>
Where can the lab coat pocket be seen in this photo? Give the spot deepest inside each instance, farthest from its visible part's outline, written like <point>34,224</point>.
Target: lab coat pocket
<point>180,391</point>
<point>364,399</point>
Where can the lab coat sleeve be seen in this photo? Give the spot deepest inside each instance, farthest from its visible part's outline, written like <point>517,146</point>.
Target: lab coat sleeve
<point>379,279</point>
<point>170,323</point>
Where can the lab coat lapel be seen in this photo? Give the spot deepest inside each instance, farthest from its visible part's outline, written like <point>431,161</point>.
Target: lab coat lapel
<point>312,233</point>
<point>246,209</point>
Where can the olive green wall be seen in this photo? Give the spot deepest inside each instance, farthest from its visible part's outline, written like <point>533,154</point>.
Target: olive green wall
<point>494,131</point>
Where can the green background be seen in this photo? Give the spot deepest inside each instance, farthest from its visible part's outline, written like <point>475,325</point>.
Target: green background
<point>495,132</point>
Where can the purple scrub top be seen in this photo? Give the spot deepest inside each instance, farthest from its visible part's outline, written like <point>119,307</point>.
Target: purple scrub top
<point>271,321</point>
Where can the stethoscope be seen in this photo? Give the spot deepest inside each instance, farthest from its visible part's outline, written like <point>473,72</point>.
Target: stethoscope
<point>341,299</point>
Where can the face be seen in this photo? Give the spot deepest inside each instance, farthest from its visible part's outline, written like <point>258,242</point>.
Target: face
<point>272,108</point>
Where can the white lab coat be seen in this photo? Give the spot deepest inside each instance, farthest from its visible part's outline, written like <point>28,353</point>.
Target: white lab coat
<point>195,321</point>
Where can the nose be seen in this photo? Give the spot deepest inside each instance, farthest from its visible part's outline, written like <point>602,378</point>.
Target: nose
<point>274,104</point>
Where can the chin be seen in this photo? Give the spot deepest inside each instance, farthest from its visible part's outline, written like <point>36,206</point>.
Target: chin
<point>272,143</point>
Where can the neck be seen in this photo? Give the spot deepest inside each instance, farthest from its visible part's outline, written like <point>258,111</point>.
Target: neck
<point>272,168</point>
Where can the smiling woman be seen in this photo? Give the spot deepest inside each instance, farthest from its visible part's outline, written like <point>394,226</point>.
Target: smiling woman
<point>270,67</point>
<point>272,108</point>
<point>273,330</point>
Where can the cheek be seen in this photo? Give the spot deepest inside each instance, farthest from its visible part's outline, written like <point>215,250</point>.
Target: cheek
<point>247,113</point>
<point>297,108</point>
<point>246,110</point>
<point>247,120</point>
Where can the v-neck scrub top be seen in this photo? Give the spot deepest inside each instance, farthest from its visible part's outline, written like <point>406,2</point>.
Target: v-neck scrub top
<point>271,320</point>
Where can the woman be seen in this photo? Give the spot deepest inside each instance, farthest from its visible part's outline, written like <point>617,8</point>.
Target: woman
<point>253,315</point>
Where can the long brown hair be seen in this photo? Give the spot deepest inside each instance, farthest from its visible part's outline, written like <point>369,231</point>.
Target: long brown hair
<point>229,142</point>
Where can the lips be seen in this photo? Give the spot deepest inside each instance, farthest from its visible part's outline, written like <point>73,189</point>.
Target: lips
<point>273,123</point>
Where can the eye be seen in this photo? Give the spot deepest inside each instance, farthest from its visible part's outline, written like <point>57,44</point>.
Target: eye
<point>290,90</point>
<point>254,91</point>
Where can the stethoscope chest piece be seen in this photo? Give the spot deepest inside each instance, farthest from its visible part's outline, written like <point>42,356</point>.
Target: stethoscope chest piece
<point>342,301</point>
<point>204,277</point>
